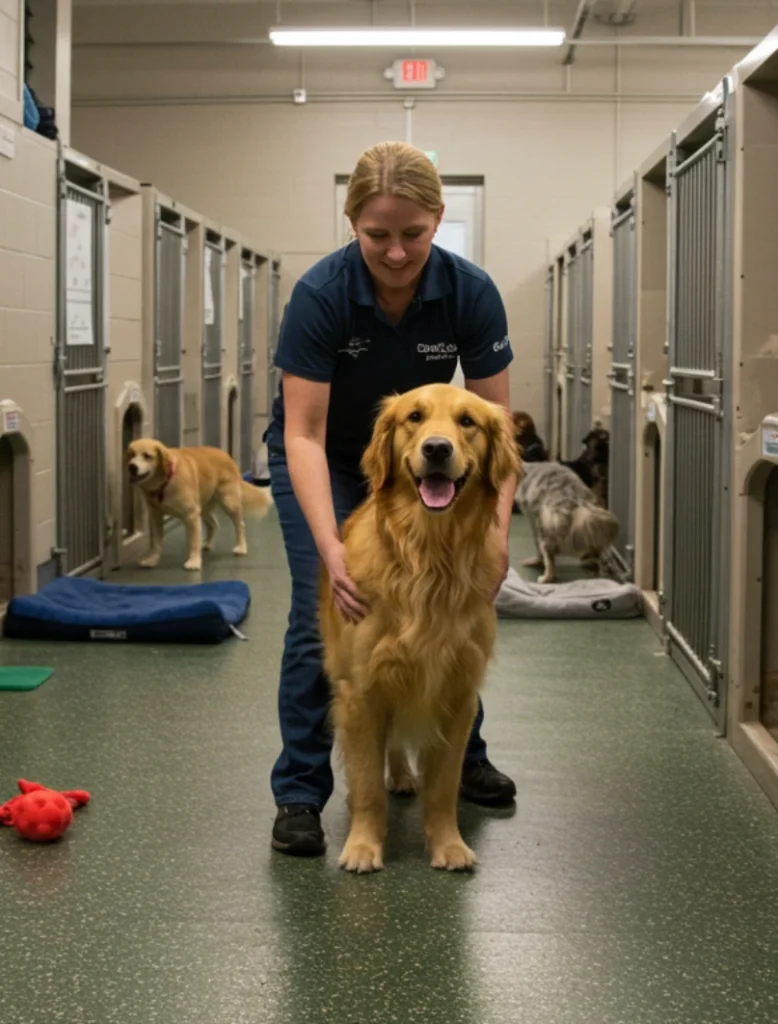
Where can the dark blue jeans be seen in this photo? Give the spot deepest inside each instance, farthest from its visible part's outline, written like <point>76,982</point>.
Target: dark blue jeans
<point>303,774</point>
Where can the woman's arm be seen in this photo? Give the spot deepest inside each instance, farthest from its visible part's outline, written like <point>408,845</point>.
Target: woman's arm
<point>305,429</point>
<point>497,389</point>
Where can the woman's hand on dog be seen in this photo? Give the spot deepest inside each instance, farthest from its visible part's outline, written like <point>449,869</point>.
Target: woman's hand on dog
<point>348,599</point>
<point>504,561</point>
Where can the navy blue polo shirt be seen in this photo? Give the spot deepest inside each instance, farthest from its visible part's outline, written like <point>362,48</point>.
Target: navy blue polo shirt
<point>333,331</point>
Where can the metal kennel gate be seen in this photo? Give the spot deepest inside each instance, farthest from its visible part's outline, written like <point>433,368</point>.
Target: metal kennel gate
<point>246,364</point>
<point>274,325</point>
<point>548,358</point>
<point>170,274</point>
<point>579,272</point>
<point>696,560</point>
<point>79,371</point>
<point>621,472</point>
<point>212,342</point>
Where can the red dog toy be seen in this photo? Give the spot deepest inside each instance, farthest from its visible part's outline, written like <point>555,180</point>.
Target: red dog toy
<point>41,814</point>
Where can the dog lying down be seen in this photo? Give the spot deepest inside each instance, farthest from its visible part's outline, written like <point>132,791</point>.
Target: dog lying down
<point>189,483</point>
<point>423,550</point>
<point>565,518</point>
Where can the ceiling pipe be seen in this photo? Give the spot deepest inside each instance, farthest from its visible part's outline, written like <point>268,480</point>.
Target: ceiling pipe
<point>622,14</point>
<point>585,8</point>
<point>722,42</point>
<point>521,96</point>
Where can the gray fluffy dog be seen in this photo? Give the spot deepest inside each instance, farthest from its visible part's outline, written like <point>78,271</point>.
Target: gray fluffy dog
<point>565,518</point>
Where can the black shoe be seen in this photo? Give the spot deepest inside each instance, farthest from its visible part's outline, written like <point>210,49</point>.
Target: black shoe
<point>297,831</point>
<point>483,784</point>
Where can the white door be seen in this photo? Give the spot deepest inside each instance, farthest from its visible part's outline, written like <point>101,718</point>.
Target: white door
<point>460,231</point>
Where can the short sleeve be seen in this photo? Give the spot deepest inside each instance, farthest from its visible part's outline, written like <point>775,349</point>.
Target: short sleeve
<point>484,346</point>
<point>310,335</point>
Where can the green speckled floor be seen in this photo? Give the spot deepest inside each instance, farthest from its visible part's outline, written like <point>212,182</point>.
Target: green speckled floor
<point>635,884</point>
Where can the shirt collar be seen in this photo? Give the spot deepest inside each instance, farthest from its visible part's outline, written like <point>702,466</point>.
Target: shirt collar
<point>434,283</point>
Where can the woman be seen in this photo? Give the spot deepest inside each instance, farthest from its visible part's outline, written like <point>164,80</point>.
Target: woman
<point>388,312</point>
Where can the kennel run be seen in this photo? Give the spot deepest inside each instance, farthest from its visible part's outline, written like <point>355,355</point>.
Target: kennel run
<point>692,372</point>
<point>164,324</point>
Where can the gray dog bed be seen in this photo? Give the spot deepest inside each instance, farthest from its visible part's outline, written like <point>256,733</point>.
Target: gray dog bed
<point>578,599</point>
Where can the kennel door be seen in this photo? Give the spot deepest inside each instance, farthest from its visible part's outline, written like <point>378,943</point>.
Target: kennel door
<point>696,572</point>
<point>621,472</point>
<point>585,341</point>
<point>214,273</point>
<point>274,326</point>
<point>246,364</point>
<point>80,373</point>
<point>170,274</point>
<point>572,274</point>
<point>549,384</point>
<point>580,282</point>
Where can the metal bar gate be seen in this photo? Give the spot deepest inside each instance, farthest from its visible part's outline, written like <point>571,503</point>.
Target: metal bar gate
<point>548,358</point>
<point>580,272</point>
<point>621,472</point>
<point>696,572</point>
<point>572,273</point>
<point>246,365</point>
<point>214,255</point>
<point>79,370</point>
<point>170,275</point>
<point>274,326</point>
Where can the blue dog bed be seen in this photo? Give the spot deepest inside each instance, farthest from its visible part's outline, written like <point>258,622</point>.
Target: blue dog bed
<point>79,608</point>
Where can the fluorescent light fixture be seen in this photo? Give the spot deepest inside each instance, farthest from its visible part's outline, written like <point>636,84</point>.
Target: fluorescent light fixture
<point>396,37</point>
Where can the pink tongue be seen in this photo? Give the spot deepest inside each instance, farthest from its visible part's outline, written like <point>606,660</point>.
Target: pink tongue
<point>437,492</point>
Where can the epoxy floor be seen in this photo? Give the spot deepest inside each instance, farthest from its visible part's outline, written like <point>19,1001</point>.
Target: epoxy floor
<point>634,884</point>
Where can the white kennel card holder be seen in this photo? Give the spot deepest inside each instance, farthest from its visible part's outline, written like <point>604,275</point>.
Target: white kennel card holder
<point>79,283</point>
<point>770,437</point>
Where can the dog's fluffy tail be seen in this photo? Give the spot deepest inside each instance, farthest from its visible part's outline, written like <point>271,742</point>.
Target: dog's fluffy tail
<point>593,528</point>
<point>256,500</point>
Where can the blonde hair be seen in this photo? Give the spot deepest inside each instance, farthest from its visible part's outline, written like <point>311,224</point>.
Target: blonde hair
<point>394,169</point>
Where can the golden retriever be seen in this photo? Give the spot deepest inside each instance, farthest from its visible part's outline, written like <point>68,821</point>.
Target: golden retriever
<point>189,483</point>
<point>423,550</point>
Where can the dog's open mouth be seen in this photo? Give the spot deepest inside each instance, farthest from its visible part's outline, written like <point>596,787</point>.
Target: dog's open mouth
<point>438,492</point>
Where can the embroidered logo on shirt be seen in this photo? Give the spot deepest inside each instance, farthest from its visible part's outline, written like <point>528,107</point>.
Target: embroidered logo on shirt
<point>442,350</point>
<point>355,346</point>
<point>498,346</point>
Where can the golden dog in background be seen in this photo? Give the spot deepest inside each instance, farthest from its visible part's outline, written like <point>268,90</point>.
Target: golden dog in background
<point>425,554</point>
<point>189,483</point>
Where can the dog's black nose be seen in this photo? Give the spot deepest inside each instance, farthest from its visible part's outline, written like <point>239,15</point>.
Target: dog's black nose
<point>133,469</point>
<point>437,449</point>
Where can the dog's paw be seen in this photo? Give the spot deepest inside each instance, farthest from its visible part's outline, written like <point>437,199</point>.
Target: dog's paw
<point>149,562</point>
<point>533,563</point>
<point>208,545</point>
<point>193,564</point>
<point>453,856</point>
<point>361,857</point>
<point>403,784</point>
<point>240,549</point>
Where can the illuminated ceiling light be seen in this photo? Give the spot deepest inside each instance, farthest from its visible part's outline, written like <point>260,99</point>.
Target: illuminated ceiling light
<point>395,37</point>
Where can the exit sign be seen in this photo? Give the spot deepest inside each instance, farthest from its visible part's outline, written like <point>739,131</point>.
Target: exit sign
<point>414,74</point>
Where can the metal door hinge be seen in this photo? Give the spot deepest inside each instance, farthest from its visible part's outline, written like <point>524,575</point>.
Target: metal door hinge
<point>717,677</point>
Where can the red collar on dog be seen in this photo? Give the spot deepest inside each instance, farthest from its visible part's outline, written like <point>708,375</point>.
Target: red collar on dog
<point>160,494</point>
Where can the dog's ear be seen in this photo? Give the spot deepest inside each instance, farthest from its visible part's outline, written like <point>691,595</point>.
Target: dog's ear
<point>503,457</point>
<point>163,456</point>
<point>378,456</point>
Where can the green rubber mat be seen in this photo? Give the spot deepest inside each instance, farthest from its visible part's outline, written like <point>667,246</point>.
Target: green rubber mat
<point>23,677</point>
